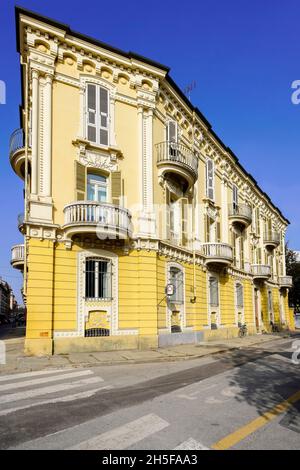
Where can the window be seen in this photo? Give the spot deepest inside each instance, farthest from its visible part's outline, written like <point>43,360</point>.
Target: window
<point>96,188</point>
<point>176,279</point>
<point>213,292</point>
<point>210,184</point>
<point>239,295</point>
<point>97,114</point>
<point>235,198</point>
<point>97,278</point>
<point>172,131</point>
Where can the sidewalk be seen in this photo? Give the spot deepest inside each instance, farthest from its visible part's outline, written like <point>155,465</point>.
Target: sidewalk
<point>16,361</point>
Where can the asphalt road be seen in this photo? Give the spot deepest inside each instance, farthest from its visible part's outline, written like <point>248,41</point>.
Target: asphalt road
<point>246,399</point>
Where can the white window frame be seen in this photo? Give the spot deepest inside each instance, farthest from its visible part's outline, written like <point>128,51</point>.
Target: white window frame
<point>98,184</point>
<point>108,288</point>
<point>210,179</point>
<point>235,197</point>
<point>97,125</point>
<point>213,308</point>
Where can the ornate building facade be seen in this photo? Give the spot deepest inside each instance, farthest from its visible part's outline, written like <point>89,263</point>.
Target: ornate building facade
<point>141,228</point>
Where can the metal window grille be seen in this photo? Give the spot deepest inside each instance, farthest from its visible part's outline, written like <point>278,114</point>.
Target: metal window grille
<point>176,278</point>
<point>239,296</point>
<point>213,292</point>
<point>97,279</point>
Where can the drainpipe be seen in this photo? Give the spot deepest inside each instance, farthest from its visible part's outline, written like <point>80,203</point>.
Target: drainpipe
<point>193,227</point>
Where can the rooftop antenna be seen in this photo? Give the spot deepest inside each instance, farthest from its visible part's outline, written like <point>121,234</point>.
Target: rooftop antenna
<point>189,88</point>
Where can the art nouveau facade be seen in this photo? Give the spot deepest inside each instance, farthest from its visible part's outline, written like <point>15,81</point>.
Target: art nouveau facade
<point>128,190</point>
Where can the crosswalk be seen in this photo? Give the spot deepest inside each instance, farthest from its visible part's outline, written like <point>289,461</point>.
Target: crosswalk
<point>28,389</point>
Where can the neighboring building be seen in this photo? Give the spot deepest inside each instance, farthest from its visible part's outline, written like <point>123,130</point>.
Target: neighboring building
<point>7,301</point>
<point>128,190</point>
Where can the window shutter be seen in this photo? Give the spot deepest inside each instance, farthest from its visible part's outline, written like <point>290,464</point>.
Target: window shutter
<point>116,187</point>
<point>234,247</point>
<point>241,252</point>
<point>258,255</point>
<point>172,131</point>
<point>235,196</point>
<point>91,113</point>
<point>218,232</point>
<point>207,228</point>
<point>167,226</point>
<point>103,139</point>
<point>80,178</point>
<point>210,179</point>
<point>184,221</point>
<point>257,221</point>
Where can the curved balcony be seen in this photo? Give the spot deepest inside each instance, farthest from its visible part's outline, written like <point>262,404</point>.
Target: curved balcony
<point>217,253</point>
<point>107,221</point>
<point>286,281</point>
<point>178,160</point>
<point>240,214</point>
<point>261,272</point>
<point>17,257</point>
<point>271,239</point>
<point>17,152</point>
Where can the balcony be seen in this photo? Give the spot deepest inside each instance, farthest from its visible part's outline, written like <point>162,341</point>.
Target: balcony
<point>261,272</point>
<point>217,253</point>
<point>177,160</point>
<point>286,281</point>
<point>240,214</point>
<point>271,239</point>
<point>17,152</point>
<point>17,257</point>
<point>107,221</point>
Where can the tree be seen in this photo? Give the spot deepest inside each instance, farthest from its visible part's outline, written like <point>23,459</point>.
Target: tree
<point>293,269</point>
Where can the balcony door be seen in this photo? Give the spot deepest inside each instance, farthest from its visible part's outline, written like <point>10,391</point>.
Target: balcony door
<point>96,188</point>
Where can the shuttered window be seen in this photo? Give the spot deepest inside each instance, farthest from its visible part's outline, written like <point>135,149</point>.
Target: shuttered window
<point>210,184</point>
<point>235,197</point>
<point>116,187</point>
<point>184,221</point>
<point>97,113</point>
<point>172,131</point>
<point>80,181</point>
<point>213,292</point>
<point>239,296</point>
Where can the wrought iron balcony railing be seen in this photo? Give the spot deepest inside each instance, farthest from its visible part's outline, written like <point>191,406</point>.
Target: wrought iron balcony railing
<point>177,154</point>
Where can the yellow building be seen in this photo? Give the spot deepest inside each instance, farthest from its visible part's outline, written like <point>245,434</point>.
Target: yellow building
<point>141,228</point>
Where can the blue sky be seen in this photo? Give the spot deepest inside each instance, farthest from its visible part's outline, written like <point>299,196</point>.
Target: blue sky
<point>243,56</point>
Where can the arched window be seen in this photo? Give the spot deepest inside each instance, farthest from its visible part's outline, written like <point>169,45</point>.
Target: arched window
<point>96,188</point>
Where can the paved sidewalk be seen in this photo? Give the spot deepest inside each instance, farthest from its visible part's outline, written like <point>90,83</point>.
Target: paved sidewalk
<point>16,361</point>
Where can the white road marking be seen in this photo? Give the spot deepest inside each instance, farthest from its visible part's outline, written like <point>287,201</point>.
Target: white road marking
<point>124,436</point>
<point>25,394</point>
<point>66,398</point>
<point>230,391</point>
<point>191,444</point>
<point>5,378</point>
<point>29,383</point>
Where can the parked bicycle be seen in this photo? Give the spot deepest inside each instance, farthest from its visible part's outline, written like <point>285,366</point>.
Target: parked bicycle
<point>243,330</point>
